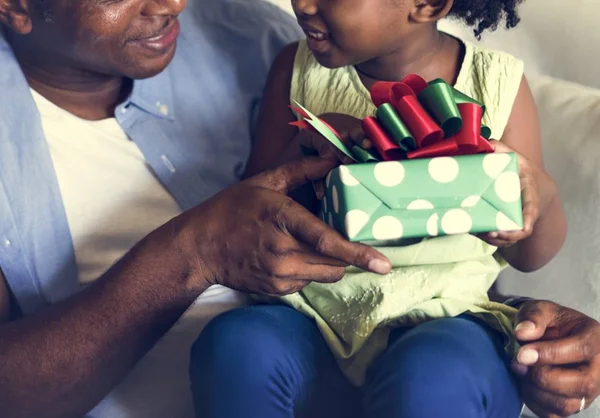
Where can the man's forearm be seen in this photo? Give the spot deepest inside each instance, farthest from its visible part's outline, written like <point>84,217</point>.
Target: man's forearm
<point>63,360</point>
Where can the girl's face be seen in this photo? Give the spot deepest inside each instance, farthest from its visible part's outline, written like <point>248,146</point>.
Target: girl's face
<point>349,32</point>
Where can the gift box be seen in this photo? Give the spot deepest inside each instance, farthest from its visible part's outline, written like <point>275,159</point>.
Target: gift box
<point>432,171</point>
<point>391,200</point>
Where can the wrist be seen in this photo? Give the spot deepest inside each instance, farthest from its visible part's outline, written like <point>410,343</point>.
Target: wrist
<point>177,242</point>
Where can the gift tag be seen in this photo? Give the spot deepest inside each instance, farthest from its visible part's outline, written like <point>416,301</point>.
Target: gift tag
<point>326,132</point>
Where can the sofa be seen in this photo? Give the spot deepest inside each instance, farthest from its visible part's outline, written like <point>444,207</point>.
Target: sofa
<point>559,42</point>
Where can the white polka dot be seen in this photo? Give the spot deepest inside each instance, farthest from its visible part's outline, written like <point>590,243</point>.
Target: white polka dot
<point>504,223</point>
<point>347,178</point>
<point>328,179</point>
<point>336,201</point>
<point>508,186</point>
<point>456,221</point>
<point>420,204</point>
<point>432,225</point>
<point>495,163</point>
<point>387,227</point>
<point>470,201</point>
<point>331,220</point>
<point>443,169</point>
<point>355,221</point>
<point>389,174</point>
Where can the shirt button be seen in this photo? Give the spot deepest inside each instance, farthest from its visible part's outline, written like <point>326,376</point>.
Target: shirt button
<point>7,243</point>
<point>164,110</point>
<point>123,110</point>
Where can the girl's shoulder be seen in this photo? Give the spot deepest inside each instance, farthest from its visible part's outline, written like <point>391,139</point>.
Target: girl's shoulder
<point>324,90</point>
<point>493,78</point>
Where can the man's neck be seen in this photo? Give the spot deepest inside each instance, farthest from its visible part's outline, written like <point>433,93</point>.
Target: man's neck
<point>87,95</point>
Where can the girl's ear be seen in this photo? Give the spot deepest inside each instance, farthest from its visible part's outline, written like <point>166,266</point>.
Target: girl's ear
<point>427,11</point>
<point>15,15</point>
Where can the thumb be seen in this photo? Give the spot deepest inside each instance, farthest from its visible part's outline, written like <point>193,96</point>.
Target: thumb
<point>290,176</point>
<point>534,318</point>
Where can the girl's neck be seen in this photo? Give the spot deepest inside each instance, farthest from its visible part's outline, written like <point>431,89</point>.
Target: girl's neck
<point>431,55</point>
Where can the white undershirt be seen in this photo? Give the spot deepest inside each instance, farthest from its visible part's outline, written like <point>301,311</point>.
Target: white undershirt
<point>112,200</point>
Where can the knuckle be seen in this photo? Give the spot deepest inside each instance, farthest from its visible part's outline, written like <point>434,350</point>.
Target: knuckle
<point>284,288</point>
<point>324,243</point>
<point>280,269</point>
<point>585,347</point>
<point>360,255</point>
<point>564,407</point>
<point>589,387</point>
<point>280,214</point>
<point>277,248</point>
<point>571,407</point>
<point>548,354</point>
<point>277,287</point>
<point>336,275</point>
<point>538,376</point>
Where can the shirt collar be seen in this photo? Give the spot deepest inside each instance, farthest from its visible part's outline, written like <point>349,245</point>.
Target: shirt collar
<point>155,95</point>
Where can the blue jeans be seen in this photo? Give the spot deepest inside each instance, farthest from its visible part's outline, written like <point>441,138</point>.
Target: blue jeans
<point>270,361</point>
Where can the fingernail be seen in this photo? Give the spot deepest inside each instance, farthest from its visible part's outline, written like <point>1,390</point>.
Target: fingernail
<point>379,266</point>
<point>528,357</point>
<point>493,235</point>
<point>519,369</point>
<point>526,325</point>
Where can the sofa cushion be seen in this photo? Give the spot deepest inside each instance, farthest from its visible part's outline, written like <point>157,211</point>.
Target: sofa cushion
<point>570,121</point>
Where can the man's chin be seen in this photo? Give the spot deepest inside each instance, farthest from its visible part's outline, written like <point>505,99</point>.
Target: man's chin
<point>147,67</point>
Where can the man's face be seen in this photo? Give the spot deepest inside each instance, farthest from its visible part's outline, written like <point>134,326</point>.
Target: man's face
<point>133,38</point>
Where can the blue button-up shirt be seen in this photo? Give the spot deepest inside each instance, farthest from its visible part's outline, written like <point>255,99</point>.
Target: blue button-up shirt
<point>193,123</point>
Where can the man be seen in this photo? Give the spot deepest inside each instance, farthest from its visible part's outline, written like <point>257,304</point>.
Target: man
<point>92,163</point>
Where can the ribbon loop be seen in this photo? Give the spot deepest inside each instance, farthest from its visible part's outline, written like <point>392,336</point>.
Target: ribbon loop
<point>430,119</point>
<point>438,99</point>
<point>393,125</point>
<point>414,119</point>
<point>387,148</point>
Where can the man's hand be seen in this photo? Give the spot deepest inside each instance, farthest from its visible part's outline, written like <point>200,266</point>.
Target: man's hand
<point>253,237</point>
<point>559,362</point>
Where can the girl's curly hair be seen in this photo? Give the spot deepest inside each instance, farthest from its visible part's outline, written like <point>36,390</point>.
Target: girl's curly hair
<point>486,14</point>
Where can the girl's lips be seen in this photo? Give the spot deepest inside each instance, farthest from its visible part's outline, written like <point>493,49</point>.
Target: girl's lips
<point>317,40</point>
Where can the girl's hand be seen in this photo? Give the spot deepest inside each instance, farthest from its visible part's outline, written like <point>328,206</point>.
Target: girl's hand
<point>356,136</point>
<point>351,134</point>
<point>529,174</point>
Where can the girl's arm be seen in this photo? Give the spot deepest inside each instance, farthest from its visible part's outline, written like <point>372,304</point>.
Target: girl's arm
<point>523,135</point>
<point>278,142</point>
<point>274,133</point>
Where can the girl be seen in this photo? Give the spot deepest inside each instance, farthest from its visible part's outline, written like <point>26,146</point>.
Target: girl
<point>424,340</point>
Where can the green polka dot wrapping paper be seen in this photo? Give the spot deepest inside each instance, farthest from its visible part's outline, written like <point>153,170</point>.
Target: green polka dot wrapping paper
<point>389,201</point>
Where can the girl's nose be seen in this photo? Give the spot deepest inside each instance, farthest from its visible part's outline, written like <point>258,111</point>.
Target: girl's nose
<point>305,7</point>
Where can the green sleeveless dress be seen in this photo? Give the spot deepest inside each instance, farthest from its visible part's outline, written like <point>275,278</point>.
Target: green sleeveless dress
<point>433,278</point>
